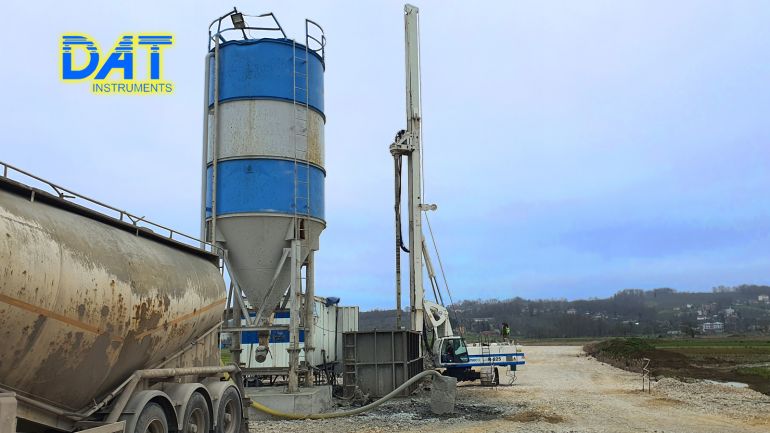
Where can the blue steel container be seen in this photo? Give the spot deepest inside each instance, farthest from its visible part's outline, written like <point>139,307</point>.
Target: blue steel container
<point>264,186</point>
<point>262,69</point>
<point>257,161</point>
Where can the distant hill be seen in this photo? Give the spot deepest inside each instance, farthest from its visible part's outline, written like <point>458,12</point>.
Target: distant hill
<point>664,311</point>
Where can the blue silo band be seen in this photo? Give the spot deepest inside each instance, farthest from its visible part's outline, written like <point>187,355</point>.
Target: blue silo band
<point>265,186</point>
<point>264,69</point>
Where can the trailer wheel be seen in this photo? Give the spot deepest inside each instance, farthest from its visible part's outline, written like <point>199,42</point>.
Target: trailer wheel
<point>229,412</point>
<point>152,420</point>
<point>197,418</point>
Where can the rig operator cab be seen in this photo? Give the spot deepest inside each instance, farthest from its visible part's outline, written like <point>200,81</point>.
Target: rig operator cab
<point>488,361</point>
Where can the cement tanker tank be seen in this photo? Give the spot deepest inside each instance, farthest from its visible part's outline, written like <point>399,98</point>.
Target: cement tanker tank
<point>86,300</point>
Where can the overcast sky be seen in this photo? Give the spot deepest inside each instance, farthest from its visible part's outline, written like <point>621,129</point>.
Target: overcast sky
<point>573,148</point>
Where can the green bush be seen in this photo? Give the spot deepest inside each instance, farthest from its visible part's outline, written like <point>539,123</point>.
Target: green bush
<point>623,348</point>
<point>763,372</point>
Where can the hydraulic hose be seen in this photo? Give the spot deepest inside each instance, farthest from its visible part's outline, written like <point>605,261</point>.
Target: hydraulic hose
<point>356,411</point>
<point>397,206</point>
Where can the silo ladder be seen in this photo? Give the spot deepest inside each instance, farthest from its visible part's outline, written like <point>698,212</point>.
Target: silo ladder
<point>301,76</point>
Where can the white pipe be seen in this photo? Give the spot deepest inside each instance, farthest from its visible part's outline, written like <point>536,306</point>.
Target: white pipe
<point>214,147</point>
<point>205,150</point>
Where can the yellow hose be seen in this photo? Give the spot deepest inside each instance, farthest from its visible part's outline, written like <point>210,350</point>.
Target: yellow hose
<point>222,364</point>
<point>374,404</point>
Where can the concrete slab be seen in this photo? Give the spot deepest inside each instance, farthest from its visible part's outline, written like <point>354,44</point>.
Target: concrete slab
<point>7,412</point>
<point>308,400</point>
<point>443,393</point>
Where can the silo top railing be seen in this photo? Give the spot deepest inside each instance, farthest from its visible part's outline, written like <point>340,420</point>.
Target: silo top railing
<point>319,41</point>
<point>219,33</point>
<point>315,39</point>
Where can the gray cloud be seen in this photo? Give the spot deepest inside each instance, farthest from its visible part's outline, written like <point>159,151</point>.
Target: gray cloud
<point>573,148</point>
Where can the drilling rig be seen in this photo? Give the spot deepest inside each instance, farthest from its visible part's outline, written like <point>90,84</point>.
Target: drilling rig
<point>447,350</point>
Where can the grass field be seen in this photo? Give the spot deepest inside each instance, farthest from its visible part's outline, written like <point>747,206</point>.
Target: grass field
<point>762,372</point>
<point>226,356</point>
<point>723,351</point>
<point>737,359</point>
<point>752,342</point>
<point>557,341</point>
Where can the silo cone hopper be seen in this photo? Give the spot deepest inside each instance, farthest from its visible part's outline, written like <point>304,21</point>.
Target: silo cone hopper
<point>259,256</point>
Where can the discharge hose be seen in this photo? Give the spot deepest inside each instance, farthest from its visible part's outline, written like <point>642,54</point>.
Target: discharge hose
<point>356,411</point>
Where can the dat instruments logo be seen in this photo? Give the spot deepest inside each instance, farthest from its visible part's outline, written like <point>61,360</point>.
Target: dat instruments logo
<point>115,71</point>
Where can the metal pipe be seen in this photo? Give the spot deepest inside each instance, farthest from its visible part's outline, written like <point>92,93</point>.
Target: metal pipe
<point>214,146</point>
<point>157,373</point>
<point>295,292</point>
<point>413,116</point>
<point>399,241</point>
<point>235,343</point>
<point>277,272</point>
<point>117,409</point>
<point>309,307</point>
<point>45,406</point>
<point>238,298</point>
<point>229,308</point>
<point>432,275</point>
<point>205,151</point>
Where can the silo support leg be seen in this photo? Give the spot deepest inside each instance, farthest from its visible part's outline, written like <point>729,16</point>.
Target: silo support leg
<point>294,311</point>
<point>309,325</point>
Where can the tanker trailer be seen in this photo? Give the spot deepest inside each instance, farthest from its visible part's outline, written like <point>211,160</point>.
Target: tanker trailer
<point>106,324</point>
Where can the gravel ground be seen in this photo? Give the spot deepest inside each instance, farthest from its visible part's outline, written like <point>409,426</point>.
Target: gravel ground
<point>737,403</point>
<point>561,390</point>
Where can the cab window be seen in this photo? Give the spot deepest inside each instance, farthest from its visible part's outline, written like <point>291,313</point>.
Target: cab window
<point>454,351</point>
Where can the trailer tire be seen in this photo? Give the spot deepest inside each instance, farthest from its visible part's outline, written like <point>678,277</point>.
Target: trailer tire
<point>196,414</point>
<point>229,412</point>
<point>152,420</point>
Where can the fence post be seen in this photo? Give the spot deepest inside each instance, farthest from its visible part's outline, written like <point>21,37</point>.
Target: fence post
<point>646,374</point>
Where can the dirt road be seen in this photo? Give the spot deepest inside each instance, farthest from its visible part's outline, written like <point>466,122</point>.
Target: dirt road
<point>577,393</point>
<point>562,390</point>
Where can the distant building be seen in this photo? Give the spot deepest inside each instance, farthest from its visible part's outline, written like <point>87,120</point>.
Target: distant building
<point>729,312</point>
<point>572,311</point>
<point>713,327</point>
<point>763,298</point>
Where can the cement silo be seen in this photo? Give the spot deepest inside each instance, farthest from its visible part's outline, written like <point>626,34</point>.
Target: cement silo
<point>264,169</point>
